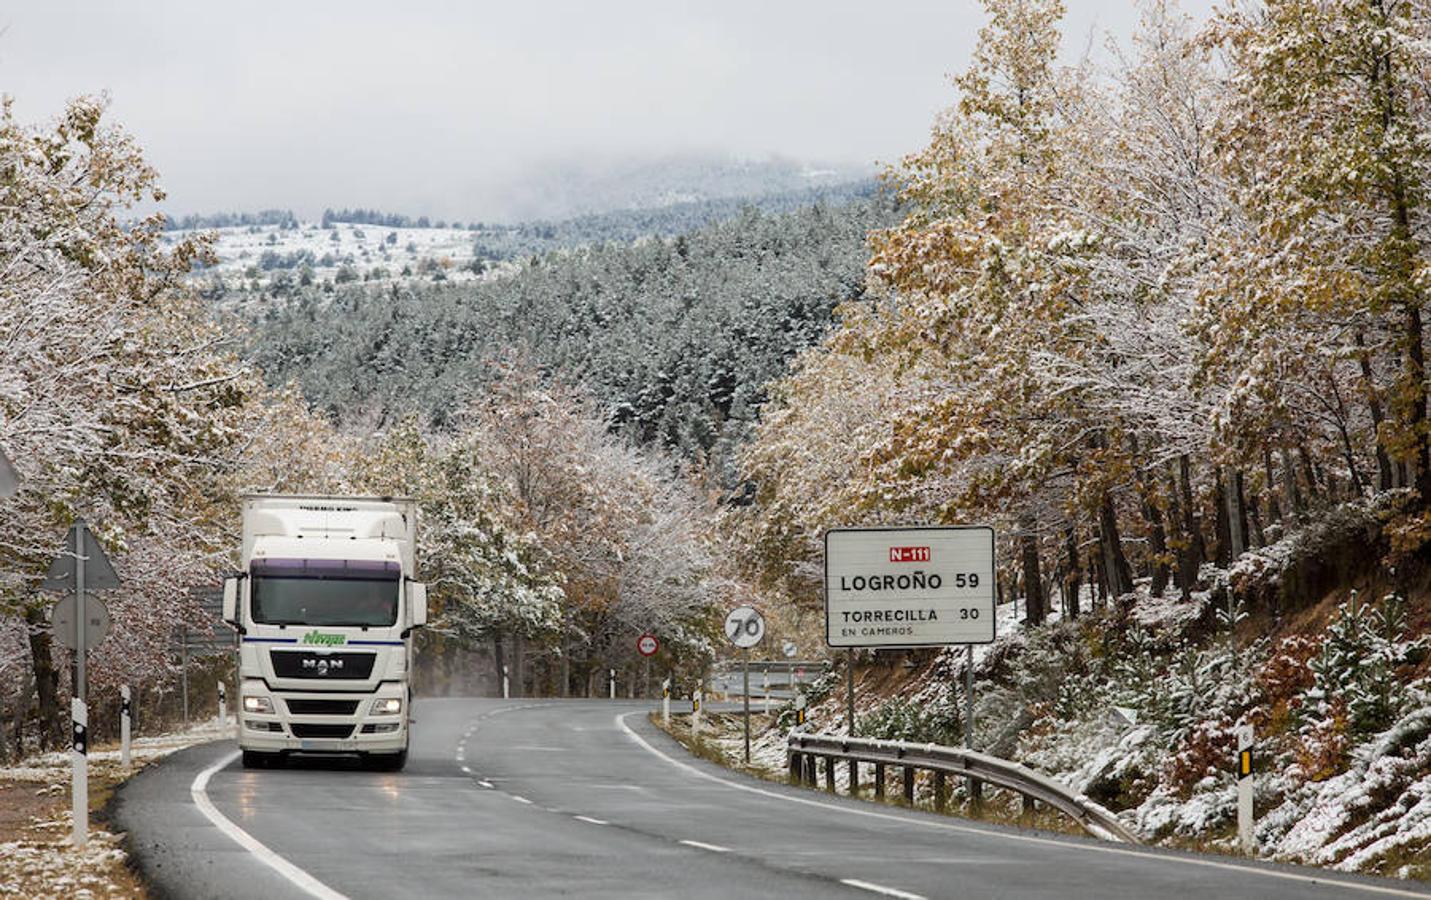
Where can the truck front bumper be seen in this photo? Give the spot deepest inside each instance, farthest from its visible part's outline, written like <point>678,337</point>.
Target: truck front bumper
<point>301,729</point>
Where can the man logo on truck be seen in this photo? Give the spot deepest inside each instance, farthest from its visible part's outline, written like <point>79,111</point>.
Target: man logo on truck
<point>322,664</point>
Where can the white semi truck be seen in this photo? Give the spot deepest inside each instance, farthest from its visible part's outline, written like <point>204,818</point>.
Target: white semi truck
<point>325,606</point>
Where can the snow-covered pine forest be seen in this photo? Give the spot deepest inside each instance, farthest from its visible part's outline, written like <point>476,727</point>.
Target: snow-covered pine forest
<point>1159,320</point>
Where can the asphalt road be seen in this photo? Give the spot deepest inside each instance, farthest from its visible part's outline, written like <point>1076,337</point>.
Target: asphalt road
<point>585,798</point>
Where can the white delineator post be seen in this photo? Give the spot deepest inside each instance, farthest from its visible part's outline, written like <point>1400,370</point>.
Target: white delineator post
<point>223,705</point>
<point>1244,789</point>
<point>79,782</point>
<point>506,685</point>
<point>612,674</point>
<point>124,725</point>
<point>666,703</point>
<point>695,712</point>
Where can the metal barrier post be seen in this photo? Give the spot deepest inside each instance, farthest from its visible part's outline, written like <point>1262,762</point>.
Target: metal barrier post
<point>879,780</point>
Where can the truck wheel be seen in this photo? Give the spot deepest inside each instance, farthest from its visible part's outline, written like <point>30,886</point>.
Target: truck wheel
<point>254,759</point>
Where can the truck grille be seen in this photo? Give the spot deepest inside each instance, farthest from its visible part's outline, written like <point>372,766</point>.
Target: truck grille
<point>305,707</point>
<point>303,730</point>
<point>328,666</point>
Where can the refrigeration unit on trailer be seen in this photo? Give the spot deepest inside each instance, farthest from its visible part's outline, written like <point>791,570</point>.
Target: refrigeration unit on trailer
<point>325,604</point>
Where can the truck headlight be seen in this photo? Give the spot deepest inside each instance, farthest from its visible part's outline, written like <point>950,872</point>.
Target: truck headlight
<point>257,705</point>
<point>387,706</point>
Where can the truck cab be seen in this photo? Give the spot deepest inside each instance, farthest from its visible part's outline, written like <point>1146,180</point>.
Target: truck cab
<point>326,604</point>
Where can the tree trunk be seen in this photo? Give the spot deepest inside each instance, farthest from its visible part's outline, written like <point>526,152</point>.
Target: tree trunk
<point>1254,512</point>
<point>1416,377</point>
<point>47,679</point>
<point>1033,583</point>
<point>1192,522</point>
<point>1222,523</point>
<point>1373,402</point>
<point>1274,511</point>
<point>1293,493</point>
<point>1115,562</point>
<point>499,660</point>
<point>1309,473</point>
<point>1071,578</point>
<point>1236,515</point>
<point>1157,539</point>
<point>565,669</point>
<point>518,666</point>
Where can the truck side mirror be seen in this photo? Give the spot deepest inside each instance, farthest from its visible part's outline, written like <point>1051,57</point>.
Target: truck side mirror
<point>417,603</point>
<point>231,601</point>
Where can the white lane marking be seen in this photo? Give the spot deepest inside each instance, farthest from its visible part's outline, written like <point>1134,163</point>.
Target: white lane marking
<point>520,799</point>
<point>1115,850</point>
<point>466,770</point>
<point>295,875</point>
<point>704,846</point>
<point>881,889</point>
<point>591,820</point>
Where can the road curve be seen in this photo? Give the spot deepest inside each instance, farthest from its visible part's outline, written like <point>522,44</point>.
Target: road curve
<point>549,798</point>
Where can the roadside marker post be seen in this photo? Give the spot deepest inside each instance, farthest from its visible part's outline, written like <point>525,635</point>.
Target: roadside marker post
<point>506,685</point>
<point>223,705</point>
<point>124,714</point>
<point>765,686</point>
<point>800,704</point>
<point>695,712</point>
<point>79,766</point>
<point>612,682</point>
<point>666,703</point>
<point>1244,789</point>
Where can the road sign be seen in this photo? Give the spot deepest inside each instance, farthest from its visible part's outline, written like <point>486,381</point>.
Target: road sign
<point>789,649</point>
<point>62,621</point>
<point>647,645</point>
<point>909,587</point>
<point>744,627</point>
<point>98,573</point>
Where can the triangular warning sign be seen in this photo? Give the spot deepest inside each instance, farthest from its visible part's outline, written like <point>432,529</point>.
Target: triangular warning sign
<point>98,573</point>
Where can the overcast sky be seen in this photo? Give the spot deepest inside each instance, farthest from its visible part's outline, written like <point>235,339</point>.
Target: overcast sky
<point>428,107</point>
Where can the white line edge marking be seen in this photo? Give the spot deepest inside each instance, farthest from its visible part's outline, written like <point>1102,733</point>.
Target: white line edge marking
<point>881,889</point>
<point>591,820</point>
<point>485,784</point>
<point>704,846</point>
<point>520,799</point>
<point>1014,836</point>
<point>299,878</point>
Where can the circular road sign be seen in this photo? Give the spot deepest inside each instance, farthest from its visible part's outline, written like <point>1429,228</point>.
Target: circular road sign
<point>647,645</point>
<point>789,649</point>
<point>744,627</point>
<point>96,625</point>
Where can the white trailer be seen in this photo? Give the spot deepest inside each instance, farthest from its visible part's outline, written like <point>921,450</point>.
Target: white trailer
<point>325,606</point>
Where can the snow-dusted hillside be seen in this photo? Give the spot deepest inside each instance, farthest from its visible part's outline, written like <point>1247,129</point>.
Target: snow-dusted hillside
<point>262,257</point>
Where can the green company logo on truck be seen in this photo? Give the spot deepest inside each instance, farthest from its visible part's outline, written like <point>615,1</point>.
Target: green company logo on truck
<point>323,638</point>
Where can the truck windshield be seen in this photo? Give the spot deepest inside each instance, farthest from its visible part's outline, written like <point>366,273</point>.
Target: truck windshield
<point>323,592</point>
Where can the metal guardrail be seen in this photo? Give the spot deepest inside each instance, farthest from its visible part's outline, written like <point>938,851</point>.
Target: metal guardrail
<point>805,750</point>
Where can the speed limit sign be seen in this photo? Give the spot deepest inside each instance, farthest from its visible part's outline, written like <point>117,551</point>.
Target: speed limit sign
<point>744,627</point>
<point>647,645</point>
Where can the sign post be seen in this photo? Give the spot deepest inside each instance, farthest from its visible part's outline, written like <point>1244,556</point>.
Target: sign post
<point>744,627</point>
<point>81,624</point>
<point>124,720</point>
<point>1244,789</point>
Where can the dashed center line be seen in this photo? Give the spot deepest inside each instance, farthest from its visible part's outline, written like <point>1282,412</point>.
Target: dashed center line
<point>880,889</point>
<point>704,846</point>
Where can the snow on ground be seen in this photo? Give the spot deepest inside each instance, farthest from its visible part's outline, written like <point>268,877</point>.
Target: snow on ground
<point>42,863</point>
<point>261,254</point>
